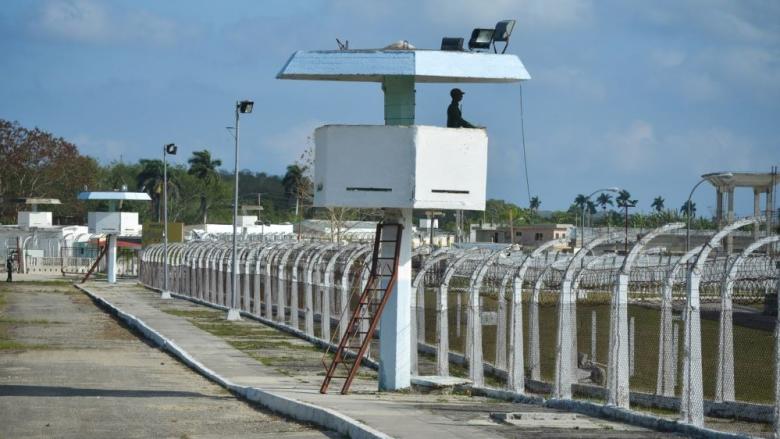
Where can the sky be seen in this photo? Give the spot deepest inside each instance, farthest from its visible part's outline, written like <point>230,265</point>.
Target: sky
<point>640,95</point>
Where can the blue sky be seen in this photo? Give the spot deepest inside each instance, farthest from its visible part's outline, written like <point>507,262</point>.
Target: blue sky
<point>644,95</point>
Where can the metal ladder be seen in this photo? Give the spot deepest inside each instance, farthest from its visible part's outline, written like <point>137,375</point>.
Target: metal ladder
<point>357,338</point>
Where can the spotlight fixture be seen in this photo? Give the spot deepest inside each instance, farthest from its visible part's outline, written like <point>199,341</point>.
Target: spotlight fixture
<point>502,33</point>
<point>170,149</point>
<point>453,44</point>
<point>481,39</point>
<point>245,106</point>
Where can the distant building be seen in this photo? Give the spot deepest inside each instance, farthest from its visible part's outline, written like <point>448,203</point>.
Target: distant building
<point>527,235</point>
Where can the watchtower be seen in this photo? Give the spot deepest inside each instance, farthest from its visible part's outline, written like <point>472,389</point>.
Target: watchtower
<point>34,218</point>
<point>112,223</point>
<point>401,166</point>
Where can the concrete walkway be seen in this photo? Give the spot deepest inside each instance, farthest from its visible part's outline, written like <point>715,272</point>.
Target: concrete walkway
<point>401,415</point>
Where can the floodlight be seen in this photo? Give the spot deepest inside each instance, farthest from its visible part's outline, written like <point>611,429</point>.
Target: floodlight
<point>454,44</point>
<point>481,39</point>
<point>502,33</point>
<point>171,149</point>
<point>245,106</point>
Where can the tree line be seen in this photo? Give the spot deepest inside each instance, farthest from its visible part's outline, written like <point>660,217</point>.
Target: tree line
<point>36,163</point>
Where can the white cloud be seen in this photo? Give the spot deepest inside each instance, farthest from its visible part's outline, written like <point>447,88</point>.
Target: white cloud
<point>698,86</point>
<point>104,150</point>
<point>536,14</point>
<point>667,57</point>
<point>567,79</point>
<point>727,20</point>
<point>286,147</point>
<point>630,149</point>
<point>640,149</point>
<point>93,22</point>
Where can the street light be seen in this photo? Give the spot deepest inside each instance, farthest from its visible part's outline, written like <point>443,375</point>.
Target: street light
<point>167,149</point>
<point>725,175</point>
<point>233,313</point>
<point>608,189</point>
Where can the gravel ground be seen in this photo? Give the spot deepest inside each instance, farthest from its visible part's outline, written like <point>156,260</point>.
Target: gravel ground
<point>69,370</point>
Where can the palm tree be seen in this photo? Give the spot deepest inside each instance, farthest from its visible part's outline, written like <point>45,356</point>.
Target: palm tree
<point>686,206</point>
<point>204,169</point>
<point>590,208</point>
<point>150,179</point>
<point>295,184</point>
<point>624,200</point>
<point>580,200</point>
<point>535,203</point>
<point>658,204</point>
<point>603,200</point>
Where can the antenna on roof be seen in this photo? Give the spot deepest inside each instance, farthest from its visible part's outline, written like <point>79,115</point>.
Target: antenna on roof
<point>344,45</point>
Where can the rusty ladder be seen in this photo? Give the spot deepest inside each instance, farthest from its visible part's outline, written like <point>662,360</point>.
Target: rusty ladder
<point>357,338</point>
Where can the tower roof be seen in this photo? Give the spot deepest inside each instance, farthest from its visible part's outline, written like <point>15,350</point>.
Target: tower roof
<point>130,196</point>
<point>431,66</point>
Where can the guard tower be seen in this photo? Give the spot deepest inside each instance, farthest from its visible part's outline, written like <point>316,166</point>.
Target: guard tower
<point>112,223</point>
<point>34,218</point>
<point>400,166</point>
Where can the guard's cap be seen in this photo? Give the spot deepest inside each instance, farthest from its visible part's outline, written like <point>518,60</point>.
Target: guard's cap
<point>456,92</point>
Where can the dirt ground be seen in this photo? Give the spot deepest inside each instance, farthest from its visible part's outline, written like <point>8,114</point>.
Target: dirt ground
<point>67,369</point>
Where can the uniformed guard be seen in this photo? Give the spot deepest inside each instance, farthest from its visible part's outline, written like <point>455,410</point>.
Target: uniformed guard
<point>454,117</point>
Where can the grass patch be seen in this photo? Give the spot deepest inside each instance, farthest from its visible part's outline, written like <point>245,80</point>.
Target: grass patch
<point>193,314</point>
<point>44,283</point>
<point>9,345</point>
<point>228,329</point>
<point>29,322</point>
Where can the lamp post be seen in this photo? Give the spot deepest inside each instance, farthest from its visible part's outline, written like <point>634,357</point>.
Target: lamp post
<point>584,206</point>
<point>233,313</point>
<point>688,205</point>
<point>167,149</point>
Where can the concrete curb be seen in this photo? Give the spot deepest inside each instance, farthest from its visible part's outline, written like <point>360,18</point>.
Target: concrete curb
<point>639,419</point>
<point>298,410</point>
<point>606,412</point>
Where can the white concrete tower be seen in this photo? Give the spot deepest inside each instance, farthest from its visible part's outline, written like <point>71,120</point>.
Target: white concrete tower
<point>112,223</point>
<point>400,166</point>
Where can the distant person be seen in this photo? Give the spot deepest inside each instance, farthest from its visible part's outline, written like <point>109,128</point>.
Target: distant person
<point>454,117</point>
<point>9,266</point>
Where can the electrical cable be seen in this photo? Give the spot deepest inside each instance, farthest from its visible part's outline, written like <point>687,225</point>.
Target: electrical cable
<point>522,136</point>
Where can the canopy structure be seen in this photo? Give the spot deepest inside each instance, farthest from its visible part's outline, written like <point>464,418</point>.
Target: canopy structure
<point>432,66</point>
<point>726,182</point>
<point>756,180</point>
<point>114,196</point>
<point>36,201</point>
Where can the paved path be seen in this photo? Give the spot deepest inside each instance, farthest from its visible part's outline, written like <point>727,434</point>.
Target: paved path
<point>402,415</point>
<point>69,370</point>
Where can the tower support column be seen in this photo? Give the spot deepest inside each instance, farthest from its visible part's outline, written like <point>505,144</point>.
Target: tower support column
<point>111,258</point>
<point>395,341</point>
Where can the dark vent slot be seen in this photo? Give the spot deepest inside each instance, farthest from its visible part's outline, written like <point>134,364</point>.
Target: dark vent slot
<point>448,191</point>
<point>370,189</point>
